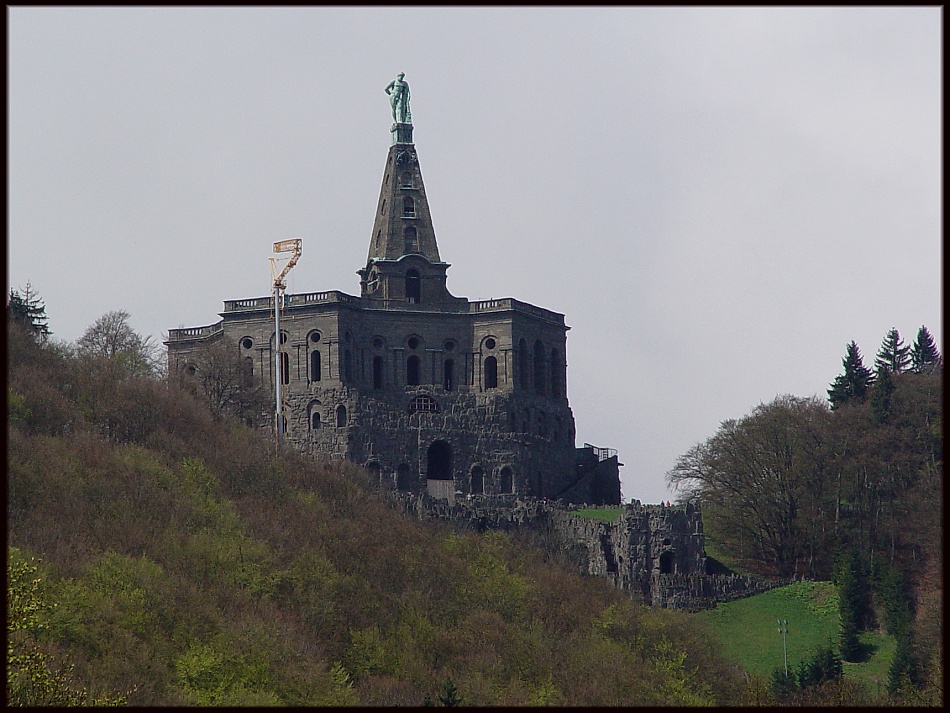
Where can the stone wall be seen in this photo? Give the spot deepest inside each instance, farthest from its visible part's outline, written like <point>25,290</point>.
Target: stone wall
<point>654,552</point>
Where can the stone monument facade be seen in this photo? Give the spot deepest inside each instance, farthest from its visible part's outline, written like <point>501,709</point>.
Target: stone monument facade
<point>431,392</point>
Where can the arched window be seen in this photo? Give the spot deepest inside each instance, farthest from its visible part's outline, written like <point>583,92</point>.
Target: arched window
<point>413,286</point>
<point>523,364</point>
<point>448,375</point>
<point>403,482</point>
<point>405,180</point>
<point>439,461</point>
<point>247,372</point>
<point>539,371</point>
<point>491,373</point>
<point>340,416</point>
<point>374,470</point>
<point>424,403</point>
<point>555,368</point>
<point>505,481</point>
<point>478,480</point>
<point>377,372</point>
<point>314,420</point>
<point>408,207</point>
<point>411,243</point>
<point>315,365</point>
<point>412,370</point>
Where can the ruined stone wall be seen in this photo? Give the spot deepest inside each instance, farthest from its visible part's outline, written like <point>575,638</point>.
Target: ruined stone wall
<point>654,552</point>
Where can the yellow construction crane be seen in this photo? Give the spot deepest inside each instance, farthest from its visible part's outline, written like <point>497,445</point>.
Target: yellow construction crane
<point>281,246</point>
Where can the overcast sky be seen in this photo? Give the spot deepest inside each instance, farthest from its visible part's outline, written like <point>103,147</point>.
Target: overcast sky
<point>717,199</point>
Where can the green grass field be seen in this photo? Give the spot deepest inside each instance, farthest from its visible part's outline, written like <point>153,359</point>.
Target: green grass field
<point>605,514</point>
<point>749,633</point>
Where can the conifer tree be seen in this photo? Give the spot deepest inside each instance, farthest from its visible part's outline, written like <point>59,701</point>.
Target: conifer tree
<point>854,605</point>
<point>893,356</point>
<point>854,383</point>
<point>881,392</point>
<point>28,309</point>
<point>924,356</point>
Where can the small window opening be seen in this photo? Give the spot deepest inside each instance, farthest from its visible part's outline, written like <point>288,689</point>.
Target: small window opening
<point>340,416</point>
<point>523,364</point>
<point>315,420</point>
<point>377,372</point>
<point>478,480</point>
<point>247,372</point>
<point>347,365</point>
<point>539,371</point>
<point>491,373</point>
<point>408,207</point>
<point>412,371</point>
<point>284,368</point>
<point>315,365</point>
<point>448,381</point>
<point>413,287</point>
<point>505,482</point>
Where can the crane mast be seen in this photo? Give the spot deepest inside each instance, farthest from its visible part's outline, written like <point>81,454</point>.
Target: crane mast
<point>281,246</point>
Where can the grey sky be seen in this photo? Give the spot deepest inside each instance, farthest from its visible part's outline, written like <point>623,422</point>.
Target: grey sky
<point>718,199</point>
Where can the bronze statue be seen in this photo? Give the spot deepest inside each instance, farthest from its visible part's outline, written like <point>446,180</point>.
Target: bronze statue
<point>398,91</point>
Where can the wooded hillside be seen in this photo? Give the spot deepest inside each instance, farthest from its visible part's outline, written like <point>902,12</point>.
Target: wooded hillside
<point>179,563</point>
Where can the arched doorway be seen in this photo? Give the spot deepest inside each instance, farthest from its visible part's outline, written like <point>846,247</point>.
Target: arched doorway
<point>666,562</point>
<point>439,461</point>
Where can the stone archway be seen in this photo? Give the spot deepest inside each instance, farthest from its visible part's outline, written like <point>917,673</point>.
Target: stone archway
<point>440,482</point>
<point>439,461</point>
<point>666,562</point>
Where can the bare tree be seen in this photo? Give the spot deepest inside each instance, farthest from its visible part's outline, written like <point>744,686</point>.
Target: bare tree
<point>112,338</point>
<point>225,380</point>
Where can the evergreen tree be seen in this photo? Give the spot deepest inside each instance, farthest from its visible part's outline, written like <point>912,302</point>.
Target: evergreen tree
<point>854,383</point>
<point>893,356</point>
<point>881,392</point>
<point>27,308</point>
<point>854,606</point>
<point>450,697</point>
<point>924,356</point>
<point>783,684</point>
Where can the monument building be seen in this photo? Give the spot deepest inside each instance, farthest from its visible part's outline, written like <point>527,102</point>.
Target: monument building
<point>429,391</point>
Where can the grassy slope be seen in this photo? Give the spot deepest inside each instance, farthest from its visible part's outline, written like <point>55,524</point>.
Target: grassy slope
<point>749,633</point>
